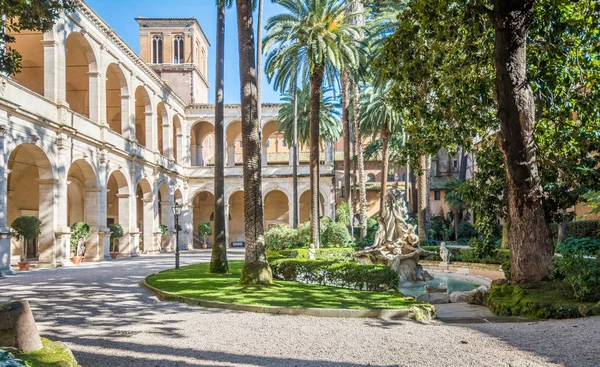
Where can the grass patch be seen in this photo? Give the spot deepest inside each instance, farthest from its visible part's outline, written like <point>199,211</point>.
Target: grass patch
<point>547,300</point>
<point>53,354</point>
<point>196,282</point>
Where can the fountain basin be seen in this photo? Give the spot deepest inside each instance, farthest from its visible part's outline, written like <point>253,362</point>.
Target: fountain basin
<point>454,282</point>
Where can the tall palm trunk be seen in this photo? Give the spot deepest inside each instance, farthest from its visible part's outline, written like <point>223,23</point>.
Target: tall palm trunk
<point>385,165</point>
<point>295,205</point>
<point>360,162</point>
<point>346,133</point>
<point>316,81</point>
<point>256,269</point>
<point>423,183</point>
<point>259,44</point>
<point>218,261</point>
<point>529,237</point>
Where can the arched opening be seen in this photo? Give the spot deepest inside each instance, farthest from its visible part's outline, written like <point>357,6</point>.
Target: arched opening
<point>204,205</point>
<point>117,209</point>
<point>277,208</point>
<point>304,206</point>
<point>82,204</point>
<point>80,62</point>
<point>236,217</point>
<point>275,150</point>
<point>371,178</point>
<point>30,192</point>
<point>177,138</point>
<point>145,216</point>
<point>202,140</point>
<point>161,123</point>
<point>143,113</point>
<point>116,88</point>
<point>29,45</point>
<point>233,138</point>
<point>165,218</point>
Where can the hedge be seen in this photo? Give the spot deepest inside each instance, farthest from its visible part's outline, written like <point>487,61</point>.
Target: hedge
<point>584,246</point>
<point>334,273</point>
<point>343,253</point>
<point>579,229</point>
<point>468,255</point>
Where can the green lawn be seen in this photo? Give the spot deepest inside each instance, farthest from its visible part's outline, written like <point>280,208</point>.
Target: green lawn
<point>196,282</point>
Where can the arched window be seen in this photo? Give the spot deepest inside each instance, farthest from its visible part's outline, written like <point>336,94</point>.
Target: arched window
<point>178,57</point>
<point>157,50</point>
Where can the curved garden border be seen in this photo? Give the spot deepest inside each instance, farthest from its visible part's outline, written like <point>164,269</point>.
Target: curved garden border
<point>413,313</point>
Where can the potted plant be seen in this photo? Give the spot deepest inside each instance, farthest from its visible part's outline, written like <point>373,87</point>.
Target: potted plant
<point>79,232</point>
<point>203,231</point>
<point>164,230</point>
<point>116,232</point>
<point>28,229</point>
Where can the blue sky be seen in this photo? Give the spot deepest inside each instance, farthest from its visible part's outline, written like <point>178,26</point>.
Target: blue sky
<point>120,16</point>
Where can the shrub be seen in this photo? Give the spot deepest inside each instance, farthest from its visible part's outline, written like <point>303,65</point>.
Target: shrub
<point>469,255</point>
<point>163,229</point>
<point>580,276</point>
<point>280,237</point>
<point>304,234</point>
<point>26,227</point>
<point>342,274</point>
<point>342,214</point>
<point>466,230</point>
<point>585,246</point>
<point>339,254</point>
<point>116,232</point>
<point>579,229</point>
<point>204,229</point>
<point>79,231</point>
<point>506,269</point>
<point>336,235</point>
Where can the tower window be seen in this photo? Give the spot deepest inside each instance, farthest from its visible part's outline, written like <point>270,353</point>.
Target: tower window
<point>178,57</point>
<point>157,50</point>
<point>436,195</point>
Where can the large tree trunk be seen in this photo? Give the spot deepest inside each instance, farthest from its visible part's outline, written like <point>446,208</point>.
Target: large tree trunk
<point>256,269</point>
<point>218,260</point>
<point>528,234</point>
<point>385,166</point>
<point>360,161</point>
<point>423,186</point>
<point>346,132</point>
<point>316,81</point>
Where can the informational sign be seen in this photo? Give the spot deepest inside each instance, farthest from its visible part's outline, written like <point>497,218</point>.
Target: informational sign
<point>238,244</point>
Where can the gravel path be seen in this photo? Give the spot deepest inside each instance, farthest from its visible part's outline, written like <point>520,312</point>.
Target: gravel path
<point>100,311</point>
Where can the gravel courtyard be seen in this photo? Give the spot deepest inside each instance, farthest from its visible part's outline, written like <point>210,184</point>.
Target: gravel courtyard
<point>107,319</point>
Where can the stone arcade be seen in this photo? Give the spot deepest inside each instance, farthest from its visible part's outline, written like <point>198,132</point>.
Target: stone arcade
<point>92,132</point>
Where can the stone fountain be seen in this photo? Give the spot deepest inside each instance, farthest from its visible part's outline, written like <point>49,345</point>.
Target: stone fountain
<point>396,243</point>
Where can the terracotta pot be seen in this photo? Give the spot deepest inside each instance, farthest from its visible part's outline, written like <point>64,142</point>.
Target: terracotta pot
<point>24,265</point>
<point>113,255</point>
<point>77,259</point>
<point>204,246</point>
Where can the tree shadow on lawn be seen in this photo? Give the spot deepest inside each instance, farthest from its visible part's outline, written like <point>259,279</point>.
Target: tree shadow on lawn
<point>572,343</point>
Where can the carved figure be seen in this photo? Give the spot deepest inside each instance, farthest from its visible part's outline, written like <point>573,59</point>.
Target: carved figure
<point>312,252</point>
<point>444,253</point>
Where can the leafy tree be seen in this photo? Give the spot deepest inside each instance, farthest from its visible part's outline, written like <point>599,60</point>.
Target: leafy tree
<point>256,268</point>
<point>218,259</point>
<point>313,33</point>
<point>22,15</point>
<point>116,232</point>
<point>26,227</point>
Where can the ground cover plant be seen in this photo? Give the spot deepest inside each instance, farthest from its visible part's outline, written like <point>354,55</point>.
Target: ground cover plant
<point>196,282</point>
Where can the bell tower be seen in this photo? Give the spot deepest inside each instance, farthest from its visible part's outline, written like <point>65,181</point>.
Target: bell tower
<point>177,49</point>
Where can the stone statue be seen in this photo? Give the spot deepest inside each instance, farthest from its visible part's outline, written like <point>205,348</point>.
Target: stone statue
<point>396,243</point>
<point>312,252</point>
<point>444,253</point>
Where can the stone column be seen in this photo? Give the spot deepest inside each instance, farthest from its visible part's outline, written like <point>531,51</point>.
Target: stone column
<point>231,156</point>
<point>179,151</point>
<point>126,128</point>
<point>97,113</point>
<point>166,146</point>
<point>166,214</point>
<point>51,72</point>
<point>193,155</point>
<point>150,128</point>
<point>52,251</point>
<point>199,157</point>
<point>5,235</point>
<point>186,221</point>
<point>148,231</point>
<point>126,246</point>
<point>102,210</point>
<point>94,243</point>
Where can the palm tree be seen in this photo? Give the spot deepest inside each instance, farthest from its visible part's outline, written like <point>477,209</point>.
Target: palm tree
<point>314,34</point>
<point>379,117</point>
<point>256,268</point>
<point>218,260</point>
<point>330,128</point>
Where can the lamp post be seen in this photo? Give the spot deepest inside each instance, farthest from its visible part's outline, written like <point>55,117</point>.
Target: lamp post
<point>177,213</point>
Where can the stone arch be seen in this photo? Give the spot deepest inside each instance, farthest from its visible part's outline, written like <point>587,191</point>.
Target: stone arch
<point>177,138</point>
<point>118,204</point>
<point>145,215</point>
<point>162,124</point>
<point>143,116</point>
<point>202,143</point>
<point>304,205</point>
<point>117,91</point>
<point>276,208</point>
<point>203,204</point>
<point>274,148</point>
<point>235,211</point>
<point>233,133</point>
<point>30,189</point>
<point>81,75</point>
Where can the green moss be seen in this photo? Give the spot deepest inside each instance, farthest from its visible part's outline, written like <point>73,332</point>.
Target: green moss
<point>546,300</point>
<point>196,282</point>
<point>53,354</point>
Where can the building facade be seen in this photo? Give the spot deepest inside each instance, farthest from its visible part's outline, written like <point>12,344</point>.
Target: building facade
<point>92,132</point>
